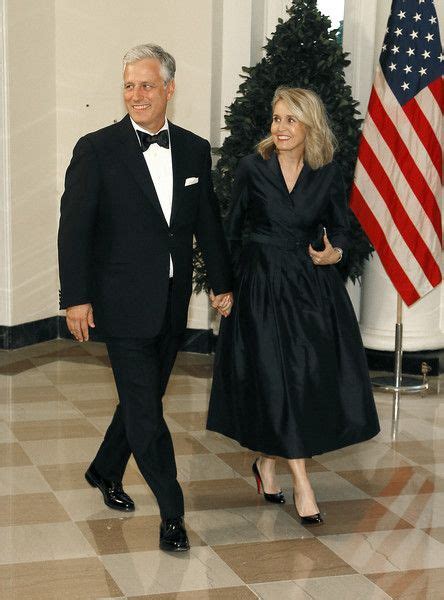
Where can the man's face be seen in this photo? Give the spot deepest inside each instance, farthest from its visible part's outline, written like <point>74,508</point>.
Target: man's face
<point>145,93</point>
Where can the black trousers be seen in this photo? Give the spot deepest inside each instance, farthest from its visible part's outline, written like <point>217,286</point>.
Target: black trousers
<point>141,368</point>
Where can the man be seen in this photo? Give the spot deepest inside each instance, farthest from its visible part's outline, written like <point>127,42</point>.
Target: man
<point>135,194</point>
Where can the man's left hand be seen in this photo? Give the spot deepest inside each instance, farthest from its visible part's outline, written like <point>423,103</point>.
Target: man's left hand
<point>223,303</point>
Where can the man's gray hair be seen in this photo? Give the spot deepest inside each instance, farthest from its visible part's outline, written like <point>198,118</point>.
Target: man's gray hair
<point>167,62</point>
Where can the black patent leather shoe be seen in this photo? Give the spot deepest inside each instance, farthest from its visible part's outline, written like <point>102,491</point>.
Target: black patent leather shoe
<point>311,519</point>
<point>173,535</point>
<point>277,498</point>
<point>113,494</point>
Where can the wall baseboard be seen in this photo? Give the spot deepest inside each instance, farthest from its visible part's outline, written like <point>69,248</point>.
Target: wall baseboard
<point>411,361</point>
<point>203,341</point>
<point>26,334</point>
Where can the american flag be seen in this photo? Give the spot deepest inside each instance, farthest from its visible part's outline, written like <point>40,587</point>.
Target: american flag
<point>398,179</point>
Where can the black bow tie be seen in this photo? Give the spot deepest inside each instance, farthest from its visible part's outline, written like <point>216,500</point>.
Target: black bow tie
<point>160,138</point>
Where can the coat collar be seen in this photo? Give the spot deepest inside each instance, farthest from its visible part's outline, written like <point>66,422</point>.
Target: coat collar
<point>134,160</point>
<point>178,153</point>
<point>273,166</point>
<point>132,156</point>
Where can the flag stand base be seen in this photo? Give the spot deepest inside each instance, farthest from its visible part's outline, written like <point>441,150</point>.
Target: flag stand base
<point>408,384</point>
<point>397,383</point>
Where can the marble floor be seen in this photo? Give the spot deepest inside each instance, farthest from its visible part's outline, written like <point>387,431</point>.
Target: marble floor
<point>383,501</point>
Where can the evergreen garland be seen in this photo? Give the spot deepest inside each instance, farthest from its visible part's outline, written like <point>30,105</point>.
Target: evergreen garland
<point>301,53</point>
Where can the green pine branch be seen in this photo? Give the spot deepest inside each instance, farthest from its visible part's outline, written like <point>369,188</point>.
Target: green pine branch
<point>302,52</point>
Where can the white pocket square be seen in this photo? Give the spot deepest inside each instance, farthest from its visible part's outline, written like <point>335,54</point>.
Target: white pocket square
<point>191,180</point>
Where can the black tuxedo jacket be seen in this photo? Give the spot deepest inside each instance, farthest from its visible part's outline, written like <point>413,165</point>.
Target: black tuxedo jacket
<point>114,241</point>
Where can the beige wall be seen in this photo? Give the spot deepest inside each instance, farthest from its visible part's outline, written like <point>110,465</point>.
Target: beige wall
<point>5,267</point>
<point>91,38</point>
<point>30,96</point>
<point>61,56</point>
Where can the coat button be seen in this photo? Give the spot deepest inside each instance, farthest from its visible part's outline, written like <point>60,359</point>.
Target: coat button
<point>171,235</point>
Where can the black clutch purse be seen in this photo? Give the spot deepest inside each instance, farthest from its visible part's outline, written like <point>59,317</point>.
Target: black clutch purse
<point>318,242</point>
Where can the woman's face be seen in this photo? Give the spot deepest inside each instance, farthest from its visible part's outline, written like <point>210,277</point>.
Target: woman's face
<point>288,133</point>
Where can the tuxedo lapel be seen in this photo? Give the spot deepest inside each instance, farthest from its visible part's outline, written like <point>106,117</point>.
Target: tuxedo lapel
<point>131,154</point>
<point>178,152</point>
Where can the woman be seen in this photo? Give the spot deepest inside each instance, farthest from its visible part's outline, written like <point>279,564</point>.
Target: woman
<point>290,375</point>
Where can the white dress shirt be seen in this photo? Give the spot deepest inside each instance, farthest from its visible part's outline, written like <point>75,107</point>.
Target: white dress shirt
<point>160,166</point>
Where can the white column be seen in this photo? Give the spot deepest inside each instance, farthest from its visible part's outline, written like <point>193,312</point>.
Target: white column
<point>364,28</point>
<point>5,199</point>
<point>423,322</point>
<point>264,18</point>
<point>231,45</point>
<point>232,32</point>
<point>360,18</point>
<point>30,160</point>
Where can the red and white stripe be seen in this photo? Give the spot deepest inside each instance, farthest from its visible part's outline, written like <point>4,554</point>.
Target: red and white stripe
<point>397,190</point>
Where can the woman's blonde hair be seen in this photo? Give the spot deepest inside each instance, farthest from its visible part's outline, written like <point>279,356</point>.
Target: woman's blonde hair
<point>308,108</point>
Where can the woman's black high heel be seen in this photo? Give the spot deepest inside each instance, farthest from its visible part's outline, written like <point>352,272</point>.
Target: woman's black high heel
<point>310,520</point>
<point>277,498</point>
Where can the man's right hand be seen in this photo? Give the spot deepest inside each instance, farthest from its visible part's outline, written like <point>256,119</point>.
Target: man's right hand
<point>78,319</point>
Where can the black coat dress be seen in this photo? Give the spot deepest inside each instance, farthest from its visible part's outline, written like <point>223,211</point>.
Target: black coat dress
<point>290,374</point>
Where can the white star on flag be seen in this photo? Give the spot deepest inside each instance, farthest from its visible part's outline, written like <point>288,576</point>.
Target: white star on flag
<point>426,54</point>
<point>422,71</point>
<point>392,66</point>
<point>429,37</point>
<point>414,35</point>
<point>417,17</point>
<point>407,69</point>
<point>401,14</point>
<point>405,86</point>
<point>395,49</point>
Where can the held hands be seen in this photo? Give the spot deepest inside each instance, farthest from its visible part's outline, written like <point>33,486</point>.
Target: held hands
<point>78,319</point>
<point>328,256</point>
<point>222,302</point>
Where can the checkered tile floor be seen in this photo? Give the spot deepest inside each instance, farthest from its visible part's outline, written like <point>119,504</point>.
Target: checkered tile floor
<point>383,502</point>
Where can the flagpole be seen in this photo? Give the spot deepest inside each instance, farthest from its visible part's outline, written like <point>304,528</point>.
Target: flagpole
<point>398,384</point>
<point>398,367</point>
